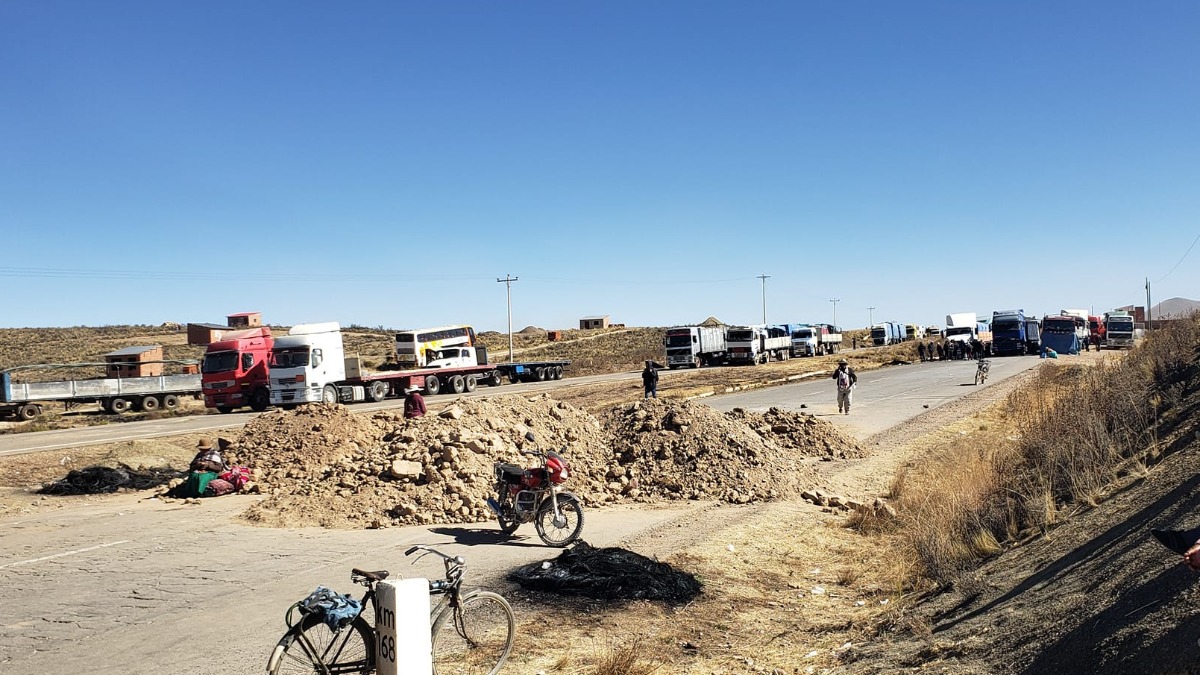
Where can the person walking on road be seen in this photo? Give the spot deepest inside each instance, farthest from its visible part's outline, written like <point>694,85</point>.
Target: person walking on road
<point>846,379</point>
<point>650,380</point>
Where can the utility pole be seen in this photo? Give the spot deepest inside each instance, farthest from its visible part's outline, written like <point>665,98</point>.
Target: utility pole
<point>764,278</point>
<point>1149,317</point>
<point>870,316</point>
<point>835,301</point>
<point>508,282</point>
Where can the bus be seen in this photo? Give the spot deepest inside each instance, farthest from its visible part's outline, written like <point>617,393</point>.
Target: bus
<point>416,348</point>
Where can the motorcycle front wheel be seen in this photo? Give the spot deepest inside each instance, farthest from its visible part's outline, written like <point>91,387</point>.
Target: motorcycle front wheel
<point>566,528</point>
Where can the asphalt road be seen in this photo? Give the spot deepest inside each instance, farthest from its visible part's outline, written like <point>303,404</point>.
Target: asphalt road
<point>131,586</point>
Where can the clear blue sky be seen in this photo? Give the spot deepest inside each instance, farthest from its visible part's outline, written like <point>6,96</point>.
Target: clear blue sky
<point>383,163</point>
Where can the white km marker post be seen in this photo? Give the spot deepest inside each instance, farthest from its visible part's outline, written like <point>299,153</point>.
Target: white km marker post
<point>404,645</point>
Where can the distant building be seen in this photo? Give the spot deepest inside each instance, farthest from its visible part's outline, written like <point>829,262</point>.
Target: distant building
<point>590,322</point>
<point>131,362</point>
<point>205,333</point>
<point>244,320</point>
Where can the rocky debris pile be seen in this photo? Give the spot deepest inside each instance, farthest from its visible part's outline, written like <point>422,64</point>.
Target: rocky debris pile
<point>387,470</point>
<point>323,465</point>
<point>669,450</point>
<point>805,434</point>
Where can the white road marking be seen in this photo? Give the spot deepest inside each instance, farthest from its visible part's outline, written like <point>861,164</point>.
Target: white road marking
<point>65,553</point>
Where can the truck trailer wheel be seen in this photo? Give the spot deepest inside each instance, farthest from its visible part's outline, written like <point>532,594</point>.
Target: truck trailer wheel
<point>28,412</point>
<point>495,379</point>
<point>170,402</point>
<point>540,373</point>
<point>378,391</point>
<point>558,372</point>
<point>432,385</point>
<point>457,384</point>
<point>118,405</point>
<point>148,404</point>
<point>470,383</point>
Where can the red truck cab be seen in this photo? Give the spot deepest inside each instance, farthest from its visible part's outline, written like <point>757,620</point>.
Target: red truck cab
<point>235,371</point>
<point>1096,323</point>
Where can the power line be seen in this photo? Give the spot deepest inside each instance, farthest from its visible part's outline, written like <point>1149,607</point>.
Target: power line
<point>1185,255</point>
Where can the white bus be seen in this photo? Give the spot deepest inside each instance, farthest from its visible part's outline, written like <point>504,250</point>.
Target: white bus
<point>416,348</point>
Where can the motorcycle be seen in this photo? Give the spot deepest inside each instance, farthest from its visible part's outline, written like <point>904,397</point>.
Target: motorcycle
<point>981,371</point>
<point>534,495</point>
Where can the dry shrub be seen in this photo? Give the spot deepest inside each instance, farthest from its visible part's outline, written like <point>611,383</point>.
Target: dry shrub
<point>1077,429</point>
<point>624,658</point>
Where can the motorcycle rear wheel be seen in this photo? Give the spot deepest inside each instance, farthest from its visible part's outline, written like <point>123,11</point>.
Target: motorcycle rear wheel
<point>563,533</point>
<point>508,522</point>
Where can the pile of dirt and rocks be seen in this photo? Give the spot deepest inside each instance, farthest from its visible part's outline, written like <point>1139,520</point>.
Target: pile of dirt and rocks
<point>323,465</point>
<point>804,434</point>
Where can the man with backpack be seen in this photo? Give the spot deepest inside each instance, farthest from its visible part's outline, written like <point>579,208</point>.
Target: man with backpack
<point>650,380</point>
<point>846,379</point>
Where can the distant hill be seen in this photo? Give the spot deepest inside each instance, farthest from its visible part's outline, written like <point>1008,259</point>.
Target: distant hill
<point>1174,308</point>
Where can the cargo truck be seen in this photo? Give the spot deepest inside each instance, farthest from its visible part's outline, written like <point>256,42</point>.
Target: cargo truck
<point>966,327</point>
<point>887,333</point>
<point>694,346</point>
<point>1033,335</point>
<point>1081,324</point>
<point>236,371</point>
<point>113,394</point>
<point>309,365</point>
<point>815,339</point>
<point>1059,333</point>
<point>757,344</point>
<point>1119,330</point>
<point>1008,332</point>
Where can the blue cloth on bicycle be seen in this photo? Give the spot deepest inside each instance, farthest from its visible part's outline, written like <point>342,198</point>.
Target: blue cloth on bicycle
<point>335,609</point>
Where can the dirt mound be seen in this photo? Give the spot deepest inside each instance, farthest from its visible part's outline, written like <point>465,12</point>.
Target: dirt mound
<point>387,470</point>
<point>323,465</point>
<point>531,330</point>
<point>801,433</point>
<point>669,450</point>
<point>712,321</point>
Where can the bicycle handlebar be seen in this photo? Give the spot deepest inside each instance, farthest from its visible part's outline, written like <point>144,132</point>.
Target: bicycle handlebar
<point>456,559</point>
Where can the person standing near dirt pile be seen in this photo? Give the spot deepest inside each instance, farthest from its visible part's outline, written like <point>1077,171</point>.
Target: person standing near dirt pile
<point>846,379</point>
<point>650,380</point>
<point>921,351</point>
<point>414,404</point>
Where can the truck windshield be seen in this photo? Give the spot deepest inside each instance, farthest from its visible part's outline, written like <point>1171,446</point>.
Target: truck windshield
<point>290,358</point>
<point>1059,326</point>
<point>1120,325</point>
<point>802,334</point>
<point>741,335</point>
<point>1001,326</point>
<point>219,362</point>
<point>878,332</point>
<point>965,330</point>
<point>679,340</point>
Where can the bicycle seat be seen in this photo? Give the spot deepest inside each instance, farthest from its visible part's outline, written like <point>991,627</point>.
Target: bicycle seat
<point>373,576</point>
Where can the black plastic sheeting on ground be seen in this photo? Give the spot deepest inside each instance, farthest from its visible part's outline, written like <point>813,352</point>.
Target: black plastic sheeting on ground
<point>607,574</point>
<point>103,479</point>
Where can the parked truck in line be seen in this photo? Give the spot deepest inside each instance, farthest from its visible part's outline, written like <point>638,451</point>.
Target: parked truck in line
<point>912,331</point>
<point>966,327</point>
<point>1059,333</point>
<point>1098,328</point>
<point>1008,332</point>
<point>815,339</point>
<point>887,333</point>
<point>113,394</point>
<point>1081,324</point>
<point>1119,330</point>
<point>236,371</point>
<point>309,365</point>
<point>694,346</point>
<point>757,344</point>
<point>1033,335</point>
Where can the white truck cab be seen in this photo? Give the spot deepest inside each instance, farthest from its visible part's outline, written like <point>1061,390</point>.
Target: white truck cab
<point>307,364</point>
<point>454,357</point>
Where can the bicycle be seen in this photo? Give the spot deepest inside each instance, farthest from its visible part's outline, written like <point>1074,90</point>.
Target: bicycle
<point>472,631</point>
<point>981,371</point>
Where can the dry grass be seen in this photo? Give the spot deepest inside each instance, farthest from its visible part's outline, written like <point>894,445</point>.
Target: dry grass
<point>1058,443</point>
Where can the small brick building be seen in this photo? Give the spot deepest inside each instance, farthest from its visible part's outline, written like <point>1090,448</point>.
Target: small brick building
<point>205,333</point>
<point>244,320</point>
<point>590,322</point>
<point>131,362</point>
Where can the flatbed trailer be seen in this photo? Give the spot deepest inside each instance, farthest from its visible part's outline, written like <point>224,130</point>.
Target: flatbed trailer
<point>114,394</point>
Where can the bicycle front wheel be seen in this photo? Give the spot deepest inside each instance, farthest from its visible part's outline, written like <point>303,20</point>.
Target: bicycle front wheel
<point>311,647</point>
<point>474,638</point>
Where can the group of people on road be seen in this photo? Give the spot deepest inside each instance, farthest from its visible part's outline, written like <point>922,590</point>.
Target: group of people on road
<point>950,350</point>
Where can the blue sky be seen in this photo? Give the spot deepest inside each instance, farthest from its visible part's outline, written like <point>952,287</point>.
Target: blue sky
<point>383,163</point>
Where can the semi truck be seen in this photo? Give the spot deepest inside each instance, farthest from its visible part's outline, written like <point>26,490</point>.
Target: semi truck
<point>309,365</point>
<point>887,333</point>
<point>1081,323</point>
<point>1059,333</point>
<point>1008,332</point>
<point>757,344</point>
<point>1033,335</point>
<point>815,339</point>
<point>966,327</point>
<point>1119,330</point>
<point>694,346</point>
<point>236,371</point>
<point>113,394</point>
